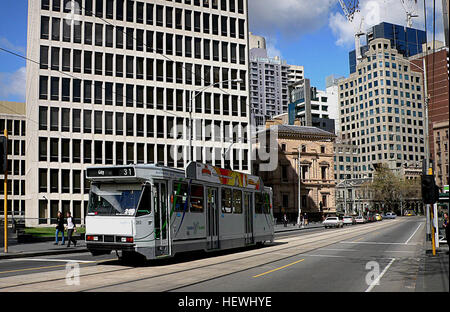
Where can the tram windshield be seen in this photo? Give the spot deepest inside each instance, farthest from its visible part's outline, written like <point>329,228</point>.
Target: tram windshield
<point>114,199</point>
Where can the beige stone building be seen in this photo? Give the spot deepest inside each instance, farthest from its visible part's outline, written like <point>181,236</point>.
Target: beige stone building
<point>315,147</point>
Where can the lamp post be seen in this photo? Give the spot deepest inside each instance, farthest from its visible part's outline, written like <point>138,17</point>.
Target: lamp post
<point>299,188</point>
<point>193,95</point>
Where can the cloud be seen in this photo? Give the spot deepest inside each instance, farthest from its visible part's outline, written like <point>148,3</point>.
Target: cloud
<point>12,85</point>
<point>272,50</point>
<point>377,11</point>
<point>289,18</point>
<point>5,43</point>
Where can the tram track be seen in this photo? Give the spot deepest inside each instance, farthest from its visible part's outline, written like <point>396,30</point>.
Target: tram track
<point>307,239</point>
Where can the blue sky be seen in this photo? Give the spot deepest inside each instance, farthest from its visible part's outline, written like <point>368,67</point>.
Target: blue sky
<point>303,32</point>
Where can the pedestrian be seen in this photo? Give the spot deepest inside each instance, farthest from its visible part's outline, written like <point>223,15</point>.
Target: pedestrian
<point>285,220</point>
<point>59,227</point>
<point>446,227</point>
<point>70,230</point>
<point>306,219</point>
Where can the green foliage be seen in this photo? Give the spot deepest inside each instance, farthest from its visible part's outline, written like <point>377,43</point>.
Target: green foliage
<point>390,189</point>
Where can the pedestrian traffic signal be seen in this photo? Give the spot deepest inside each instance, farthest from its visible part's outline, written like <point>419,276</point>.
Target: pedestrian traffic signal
<point>430,192</point>
<point>3,154</point>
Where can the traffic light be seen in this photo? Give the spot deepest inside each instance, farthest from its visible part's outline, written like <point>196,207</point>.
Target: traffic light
<point>430,192</point>
<point>3,154</point>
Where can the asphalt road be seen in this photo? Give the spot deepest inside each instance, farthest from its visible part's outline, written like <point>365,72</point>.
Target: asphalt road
<point>22,266</point>
<point>383,256</point>
<point>341,267</point>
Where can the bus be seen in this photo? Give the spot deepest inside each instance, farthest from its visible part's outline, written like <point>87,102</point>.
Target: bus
<point>156,211</point>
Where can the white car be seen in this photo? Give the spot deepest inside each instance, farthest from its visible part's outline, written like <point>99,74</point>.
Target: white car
<point>360,220</point>
<point>333,222</point>
<point>390,215</point>
<point>348,220</point>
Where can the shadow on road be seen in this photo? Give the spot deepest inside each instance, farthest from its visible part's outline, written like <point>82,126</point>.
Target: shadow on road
<point>138,261</point>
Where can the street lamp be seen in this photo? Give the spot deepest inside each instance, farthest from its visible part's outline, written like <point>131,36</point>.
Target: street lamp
<point>193,95</point>
<point>299,187</point>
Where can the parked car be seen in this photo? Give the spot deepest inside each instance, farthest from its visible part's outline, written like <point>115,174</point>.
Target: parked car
<point>360,220</point>
<point>378,217</point>
<point>390,215</point>
<point>333,222</point>
<point>347,220</point>
<point>371,218</point>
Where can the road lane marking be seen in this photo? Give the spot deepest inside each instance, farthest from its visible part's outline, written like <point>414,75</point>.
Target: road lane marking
<point>331,249</point>
<point>374,243</point>
<point>406,243</point>
<point>284,266</point>
<point>377,280</point>
<point>52,260</point>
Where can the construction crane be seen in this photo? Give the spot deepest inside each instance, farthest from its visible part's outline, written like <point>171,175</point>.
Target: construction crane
<point>408,6</point>
<point>351,8</point>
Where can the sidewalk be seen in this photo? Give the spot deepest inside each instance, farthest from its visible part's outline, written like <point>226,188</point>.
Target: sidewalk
<point>40,249</point>
<point>279,228</point>
<point>434,270</point>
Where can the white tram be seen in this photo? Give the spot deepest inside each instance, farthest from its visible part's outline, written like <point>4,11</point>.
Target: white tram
<point>157,211</point>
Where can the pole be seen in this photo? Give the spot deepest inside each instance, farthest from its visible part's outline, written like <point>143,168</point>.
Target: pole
<point>299,188</point>
<point>5,186</point>
<point>190,125</point>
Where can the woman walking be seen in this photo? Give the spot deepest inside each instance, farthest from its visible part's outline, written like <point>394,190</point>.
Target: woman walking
<point>70,230</point>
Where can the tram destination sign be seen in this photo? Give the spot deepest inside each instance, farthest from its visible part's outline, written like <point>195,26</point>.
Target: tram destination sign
<point>110,172</point>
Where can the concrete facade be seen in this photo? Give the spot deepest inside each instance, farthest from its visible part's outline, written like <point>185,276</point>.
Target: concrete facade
<point>12,118</point>
<point>382,109</point>
<point>113,87</point>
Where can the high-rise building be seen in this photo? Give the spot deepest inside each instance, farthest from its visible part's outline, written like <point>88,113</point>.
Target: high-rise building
<point>114,84</point>
<point>312,107</point>
<point>269,81</point>
<point>268,86</point>
<point>407,41</point>
<point>382,109</point>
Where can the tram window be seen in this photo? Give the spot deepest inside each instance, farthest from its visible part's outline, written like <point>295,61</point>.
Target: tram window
<point>180,191</point>
<point>197,198</point>
<point>145,205</point>
<point>266,203</point>
<point>237,201</point>
<point>259,203</point>
<point>226,200</point>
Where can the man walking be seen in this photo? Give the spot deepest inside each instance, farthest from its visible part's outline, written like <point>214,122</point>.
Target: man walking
<point>59,227</point>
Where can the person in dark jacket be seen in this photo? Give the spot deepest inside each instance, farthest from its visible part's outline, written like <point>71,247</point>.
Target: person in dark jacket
<point>59,227</point>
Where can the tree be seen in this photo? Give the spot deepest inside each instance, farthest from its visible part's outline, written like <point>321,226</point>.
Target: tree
<point>386,187</point>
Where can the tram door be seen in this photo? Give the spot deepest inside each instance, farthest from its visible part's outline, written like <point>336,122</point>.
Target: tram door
<point>213,219</point>
<point>160,204</point>
<point>248,212</point>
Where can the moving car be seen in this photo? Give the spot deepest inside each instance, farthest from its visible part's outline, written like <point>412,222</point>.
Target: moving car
<point>333,222</point>
<point>360,220</point>
<point>347,220</point>
<point>390,215</point>
<point>378,217</point>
